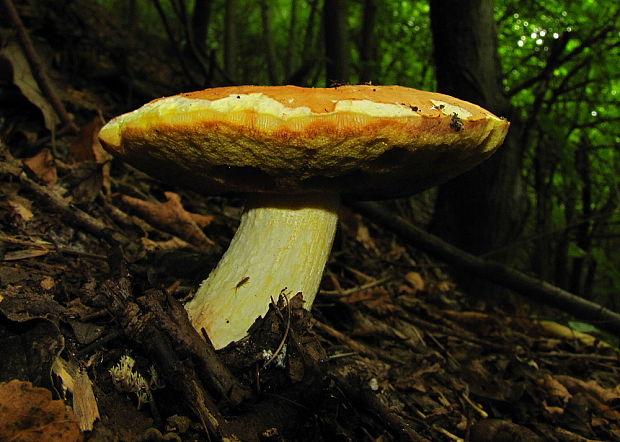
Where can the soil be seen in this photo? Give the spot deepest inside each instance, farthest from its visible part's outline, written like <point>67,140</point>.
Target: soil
<point>94,268</point>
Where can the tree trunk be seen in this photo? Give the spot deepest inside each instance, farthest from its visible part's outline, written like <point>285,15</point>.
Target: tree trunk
<point>542,259</point>
<point>200,23</point>
<point>293,31</point>
<point>483,209</point>
<point>584,234</point>
<point>230,40</point>
<point>336,41</point>
<point>369,53</point>
<point>268,47</point>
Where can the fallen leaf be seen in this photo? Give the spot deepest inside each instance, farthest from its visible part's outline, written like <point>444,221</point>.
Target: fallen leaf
<point>172,217</point>
<point>43,166</point>
<point>363,236</point>
<point>600,398</point>
<point>170,244</point>
<point>555,390</point>
<point>491,430</point>
<point>396,252</point>
<point>444,286</point>
<point>479,321</point>
<point>375,298</point>
<point>47,283</point>
<point>415,280</point>
<point>21,207</point>
<point>23,79</point>
<point>353,223</point>
<point>91,163</point>
<point>86,146</point>
<point>29,414</point>
<point>86,332</point>
<point>18,255</point>
<point>22,303</point>
<point>78,383</point>
<point>562,331</point>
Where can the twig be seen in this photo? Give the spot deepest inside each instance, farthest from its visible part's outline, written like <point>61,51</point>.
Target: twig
<point>395,423</point>
<point>354,345</point>
<point>286,330</point>
<point>37,67</point>
<point>49,247</point>
<point>533,288</point>
<point>141,320</point>
<point>56,203</point>
<point>359,288</point>
<point>98,343</point>
<point>587,356</point>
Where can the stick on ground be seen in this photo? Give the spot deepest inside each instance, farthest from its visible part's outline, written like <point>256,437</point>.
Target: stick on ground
<point>528,286</point>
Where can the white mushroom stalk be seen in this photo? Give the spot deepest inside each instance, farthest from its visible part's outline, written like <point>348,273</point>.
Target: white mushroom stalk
<point>281,246</point>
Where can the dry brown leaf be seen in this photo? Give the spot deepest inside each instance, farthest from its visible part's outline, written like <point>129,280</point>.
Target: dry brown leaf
<point>23,79</point>
<point>483,323</point>
<point>18,255</point>
<point>598,397</point>
<point>353,223</point>
<point>378,293</point>
<point>78,383</point>
<point>553,411</point>
<point>172,217</point>
<point>444,286</point>
<point>396,252</point>
<point>86,146</point>
<point>555,389</point>
<point>561,331</point>
<point>29,414</point>
<point>43,166</point>
<point>363,236</point>
<point>21,208</point>
<point>173,243</point>
<point>416,381</point>
<point>415,280</point>
<point>375,298</point>
<point>47,283</point>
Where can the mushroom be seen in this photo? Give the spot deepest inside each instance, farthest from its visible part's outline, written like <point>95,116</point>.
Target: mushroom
<point>294,153</point>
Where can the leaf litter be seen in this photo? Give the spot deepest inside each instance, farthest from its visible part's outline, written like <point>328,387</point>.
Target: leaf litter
<point>96,260</point>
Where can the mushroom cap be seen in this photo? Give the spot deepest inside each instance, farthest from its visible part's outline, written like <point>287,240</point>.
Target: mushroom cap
<point>363,141</point>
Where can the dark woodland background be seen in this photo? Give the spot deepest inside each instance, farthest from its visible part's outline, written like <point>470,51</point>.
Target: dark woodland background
<point>547,203</point>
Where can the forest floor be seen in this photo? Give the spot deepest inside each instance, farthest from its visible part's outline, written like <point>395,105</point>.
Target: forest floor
<point>97,258</point>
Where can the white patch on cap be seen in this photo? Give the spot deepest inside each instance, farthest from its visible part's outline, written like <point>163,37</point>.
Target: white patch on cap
<point>262,104</point>
<point>233,103</point>
<point>450,109</point>
<point>374,109</point>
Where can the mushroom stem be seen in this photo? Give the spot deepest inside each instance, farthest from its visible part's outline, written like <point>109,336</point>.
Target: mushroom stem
<point>282,244</point>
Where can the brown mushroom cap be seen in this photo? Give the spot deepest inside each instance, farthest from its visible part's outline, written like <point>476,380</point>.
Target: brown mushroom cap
<point>362,141</point>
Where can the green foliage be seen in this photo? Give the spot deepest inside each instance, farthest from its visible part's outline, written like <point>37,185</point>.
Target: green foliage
<point>560,60</point>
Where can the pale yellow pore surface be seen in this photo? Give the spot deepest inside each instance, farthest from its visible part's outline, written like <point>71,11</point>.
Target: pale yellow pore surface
<point>281,246</point>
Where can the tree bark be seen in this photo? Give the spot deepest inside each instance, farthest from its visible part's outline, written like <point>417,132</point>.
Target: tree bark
<point>230,40</point>
<point>201,17</point>
<point>293,31</point>
<point>483,209</point>
<point>268,46</point>
<point>369,52</point>
<point>336,41</point>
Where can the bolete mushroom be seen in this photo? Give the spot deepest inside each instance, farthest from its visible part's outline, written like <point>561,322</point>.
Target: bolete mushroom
<point>295,152</point>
